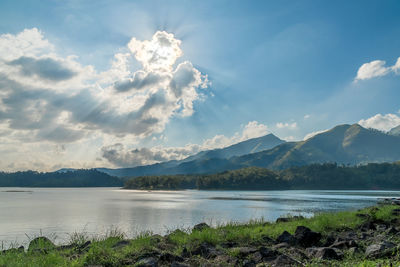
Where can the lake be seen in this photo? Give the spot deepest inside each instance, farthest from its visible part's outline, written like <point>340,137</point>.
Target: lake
<point>28,212</point>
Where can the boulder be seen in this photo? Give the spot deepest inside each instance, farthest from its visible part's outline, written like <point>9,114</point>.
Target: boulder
<point>305,237</point>
<point>168,257</point>
<point>344,244</point>
<point>286,237</point>
<point>245,251</point>
<point>283,261</point>
<point>379,250</point>
<point>268,254</point>
<point>201,226</point>
<point>395,212</point>
<point>205,250</point>
<point>324,253</point>
<point>41,244</point>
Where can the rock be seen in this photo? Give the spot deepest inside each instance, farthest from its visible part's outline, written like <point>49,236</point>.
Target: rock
<point>286,237</point>
<point>268,254</point>
<point>205,250</point>
<point>283,261</point>
<point>147,262</point>
<point>201,226</point>
<point>256,257</point>
<point>306,237</point>
<point>121,244</point>
<point>85,246</point>
<point>282,219</point>
<point>324,253</point>
<point>367,226</point>
<point>329,241</point>
<point>379,250</point>
<point>168,257</point>
<point>41,244</point>
<point>249,263</point>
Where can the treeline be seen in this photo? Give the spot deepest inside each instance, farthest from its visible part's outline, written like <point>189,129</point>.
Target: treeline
<point>76,178</point>
<point>384,176</point>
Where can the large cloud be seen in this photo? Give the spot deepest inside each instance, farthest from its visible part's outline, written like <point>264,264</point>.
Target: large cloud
<point>122,156</point>
<point>55,96</point>
<point>48,98</point>
<point>376,68</point>
<point>381,122</point>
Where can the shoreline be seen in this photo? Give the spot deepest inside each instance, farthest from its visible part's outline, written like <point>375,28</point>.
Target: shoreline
<point>348,238</point>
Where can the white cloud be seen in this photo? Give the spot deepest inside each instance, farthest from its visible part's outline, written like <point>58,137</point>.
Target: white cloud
<point>122,156</point>
<point>376,68</point>
<point>47,98</point>
<point>381,122</point>
<point>307,116</point>
<point>286,125</point>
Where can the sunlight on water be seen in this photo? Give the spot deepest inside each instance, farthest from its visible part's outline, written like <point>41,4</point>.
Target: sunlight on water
<point>94,210</point>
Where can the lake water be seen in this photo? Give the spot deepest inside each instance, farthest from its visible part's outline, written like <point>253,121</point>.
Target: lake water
<point>59,211</point>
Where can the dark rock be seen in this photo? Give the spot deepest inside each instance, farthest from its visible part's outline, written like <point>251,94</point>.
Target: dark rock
<point>329,241</point>
<point>286,237</point>
<point>249,263</point>
<point>267,239</point>
<point>64,247</point>
<point>367,226</point>
<point>306,237</point>
<point>147,262</point>
<point>380,250</point>
<point>205,250</point>
<point>324,253</point>
<point>267,253</point>
<point>283,261</point>
<point>201,226</point>
<point>41,244</point>
<point>381,227</point>
<point>168,257</point>
<point>121,244</point>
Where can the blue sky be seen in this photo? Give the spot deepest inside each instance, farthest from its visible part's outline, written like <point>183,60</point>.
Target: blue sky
<point>286,67</point>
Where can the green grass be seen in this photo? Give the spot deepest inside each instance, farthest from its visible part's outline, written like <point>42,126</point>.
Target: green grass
<point>102,252</point>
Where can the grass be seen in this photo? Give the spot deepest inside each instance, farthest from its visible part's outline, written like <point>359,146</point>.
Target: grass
<point>102,250</point>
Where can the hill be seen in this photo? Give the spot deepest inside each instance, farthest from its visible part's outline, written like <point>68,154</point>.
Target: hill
<point>395,131</point>
<point>344,144</point>
<point>203,162</point>
<point>328,176</point>
<point>67,178</point>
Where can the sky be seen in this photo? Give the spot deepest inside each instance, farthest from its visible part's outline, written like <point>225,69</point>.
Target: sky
<point>87,84</point>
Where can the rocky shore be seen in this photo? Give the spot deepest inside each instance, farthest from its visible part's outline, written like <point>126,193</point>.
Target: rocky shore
<point>368,237</point>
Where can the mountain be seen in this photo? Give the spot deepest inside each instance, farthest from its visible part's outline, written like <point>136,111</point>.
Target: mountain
<point>395,131</point>
<point>344,144</point>
<point>204,161</point>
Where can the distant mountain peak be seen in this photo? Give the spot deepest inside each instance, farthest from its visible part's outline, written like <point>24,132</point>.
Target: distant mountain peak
<point>395,131</point>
